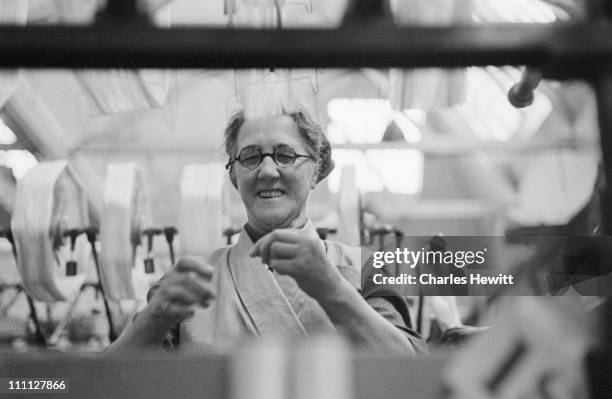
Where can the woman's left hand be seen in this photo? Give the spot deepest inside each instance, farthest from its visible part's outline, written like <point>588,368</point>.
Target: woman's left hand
<point>301,255</point>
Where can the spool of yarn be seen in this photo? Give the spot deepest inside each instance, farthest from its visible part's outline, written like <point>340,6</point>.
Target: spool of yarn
<point>126,211</point>
<point>49,201</point>
<point>202,216</point>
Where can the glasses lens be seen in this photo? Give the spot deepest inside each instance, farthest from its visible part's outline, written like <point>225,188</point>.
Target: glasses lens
<point>284,155</point>
<point>250,157</point>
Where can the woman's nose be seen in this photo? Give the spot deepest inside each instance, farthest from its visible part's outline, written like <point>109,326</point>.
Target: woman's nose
<point>268,168</point>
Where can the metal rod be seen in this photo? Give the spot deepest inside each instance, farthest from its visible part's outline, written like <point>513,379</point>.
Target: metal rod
<point>521,94</point>
<point>169,233</point>
<point>358,11</point>
<point>419,317</point>
<point>91,238</point>
<point>120,12</point>
<point>560,50</point>
<point>121,8</point>
<point>39,337</point>
<point>431,146</point>
<point>603,90</point>
<point>10,304</point>
<point>53,340</point>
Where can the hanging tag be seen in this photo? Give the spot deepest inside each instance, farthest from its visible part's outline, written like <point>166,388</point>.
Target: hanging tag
<point>149,265</point>
<point>71,268</point>
<point>71,264</point>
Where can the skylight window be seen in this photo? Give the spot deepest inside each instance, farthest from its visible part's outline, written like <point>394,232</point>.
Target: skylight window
<point>487,111</point>
<point>20,161</point>
<point>358,120</point>
<point>7,137</point>
<point>515,11</point>
<point>364,121</point>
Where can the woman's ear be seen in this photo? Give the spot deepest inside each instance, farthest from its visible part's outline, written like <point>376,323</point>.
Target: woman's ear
<point>315,180</point>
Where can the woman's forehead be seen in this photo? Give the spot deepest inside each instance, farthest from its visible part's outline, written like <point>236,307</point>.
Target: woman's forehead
<point>270,131</point>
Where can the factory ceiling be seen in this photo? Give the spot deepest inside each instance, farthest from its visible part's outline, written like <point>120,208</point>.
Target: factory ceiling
<point>156,116</point>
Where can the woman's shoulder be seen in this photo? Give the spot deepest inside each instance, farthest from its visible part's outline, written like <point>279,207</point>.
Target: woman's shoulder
<point>347,259</point>
<point>219,254</point>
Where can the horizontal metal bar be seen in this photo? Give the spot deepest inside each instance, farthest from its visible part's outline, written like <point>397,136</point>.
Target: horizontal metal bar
<point>603,91</point>
<point>559,50</point>
<point>430,146</point>
<point>457,147</point>
<point>15,146</point>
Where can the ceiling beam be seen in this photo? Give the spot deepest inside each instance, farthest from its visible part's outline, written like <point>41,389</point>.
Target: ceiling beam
<point>430,146</point>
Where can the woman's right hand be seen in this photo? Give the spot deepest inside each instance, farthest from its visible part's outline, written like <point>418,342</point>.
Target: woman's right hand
<point>185,286</point>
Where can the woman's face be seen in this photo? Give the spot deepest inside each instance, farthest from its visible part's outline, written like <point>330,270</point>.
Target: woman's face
<point>274,196</point>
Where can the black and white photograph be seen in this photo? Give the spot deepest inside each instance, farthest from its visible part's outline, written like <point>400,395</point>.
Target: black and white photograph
<point>305,199</point>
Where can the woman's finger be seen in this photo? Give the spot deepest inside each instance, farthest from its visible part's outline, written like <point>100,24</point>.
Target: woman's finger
<point>201,289</point>
<point>284,236</point>
<point>189,281</point>
<point>262,247</point>
<point>178,311</point>
<point>282,266</point>
<point>282,250</point>
<point>168,302</point>
<point>195,266</point>
<point>180,295</point>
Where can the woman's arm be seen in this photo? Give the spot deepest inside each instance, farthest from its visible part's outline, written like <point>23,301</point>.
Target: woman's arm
<point>301,255</point>
<point>352,314</point>
<point>144,334</point>
<point>186,285</point>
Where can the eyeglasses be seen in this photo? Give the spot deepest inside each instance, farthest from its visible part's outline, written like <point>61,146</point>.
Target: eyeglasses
<point>251,157</point>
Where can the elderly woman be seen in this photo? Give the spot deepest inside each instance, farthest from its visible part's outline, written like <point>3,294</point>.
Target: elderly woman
<point>280,279</point>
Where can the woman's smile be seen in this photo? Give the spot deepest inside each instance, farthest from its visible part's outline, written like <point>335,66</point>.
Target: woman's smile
<point>270,194</point>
